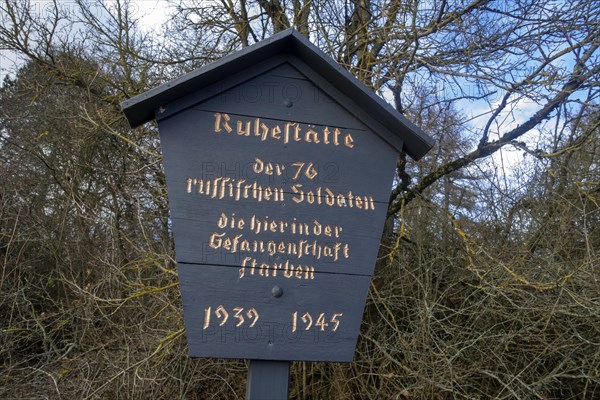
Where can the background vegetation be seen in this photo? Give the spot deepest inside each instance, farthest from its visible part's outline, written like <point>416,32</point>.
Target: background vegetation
<point>487,284</point>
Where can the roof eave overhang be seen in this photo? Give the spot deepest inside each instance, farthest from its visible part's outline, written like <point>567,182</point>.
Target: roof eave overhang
<point>142,108</point>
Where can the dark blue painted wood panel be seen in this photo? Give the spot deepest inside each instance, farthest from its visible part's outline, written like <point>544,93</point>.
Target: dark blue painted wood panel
<point>223,160</point>
<point>281,194</point>
<point>286,94</point>
<point>273,336</point>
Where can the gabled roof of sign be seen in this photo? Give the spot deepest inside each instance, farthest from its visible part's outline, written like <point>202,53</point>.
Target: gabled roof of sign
<point>416,143</point>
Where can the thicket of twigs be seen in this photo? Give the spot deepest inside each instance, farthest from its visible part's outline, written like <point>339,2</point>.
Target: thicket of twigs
<point>507,307</point>
<point>487,285</point>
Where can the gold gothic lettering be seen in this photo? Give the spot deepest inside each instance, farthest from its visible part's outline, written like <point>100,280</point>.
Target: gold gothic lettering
<point>227,188</point>
<point>291,132</point>
<point>327,197</point>
<point>258,225</point>
<point>300,248</point>
<point>251,266</point>
<point>223,187</point>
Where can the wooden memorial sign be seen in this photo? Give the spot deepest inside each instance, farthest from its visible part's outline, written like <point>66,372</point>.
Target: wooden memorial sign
<point>279,166</point>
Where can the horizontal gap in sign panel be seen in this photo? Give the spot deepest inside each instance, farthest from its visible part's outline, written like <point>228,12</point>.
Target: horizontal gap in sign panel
<point>252,268</point>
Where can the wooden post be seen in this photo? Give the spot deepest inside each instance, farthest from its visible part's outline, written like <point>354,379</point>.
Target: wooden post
<point>268,380</point>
